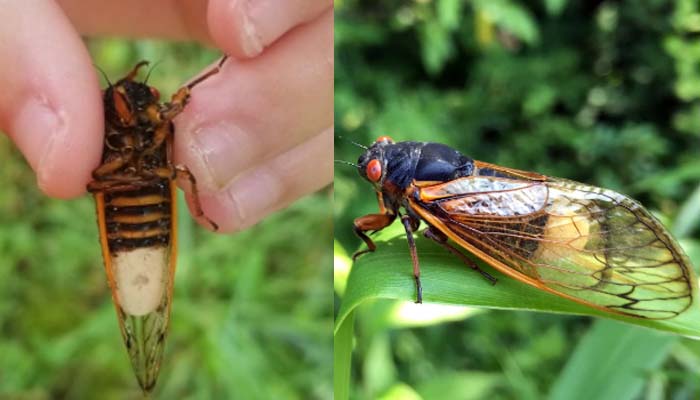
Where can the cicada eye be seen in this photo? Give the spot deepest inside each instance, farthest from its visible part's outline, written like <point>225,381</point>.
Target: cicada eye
<point>374,170</point>
<point>386,139</point>
<point>155,92</point>
<point>121,106</point>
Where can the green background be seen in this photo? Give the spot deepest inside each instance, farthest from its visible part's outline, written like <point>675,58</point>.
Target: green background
<point>252,316</point>
<point>602,92</point>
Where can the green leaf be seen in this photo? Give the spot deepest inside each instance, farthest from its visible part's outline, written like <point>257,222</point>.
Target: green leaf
<point>341,267</point>
<point>465,385</point>
<point>512,17</point>
<point>342,357</point>
<point>689,214</point>
<point>400,391</point>
<point>612,353</point>
<point>555,7</point>
<point>378,368</point>
<point>449,13</point>
<point>436,47</point>
<point>387,274</point>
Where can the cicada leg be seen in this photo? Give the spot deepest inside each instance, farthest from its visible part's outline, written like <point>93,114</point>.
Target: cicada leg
<point>182,96</point>
<point>213,71</point>
<point>111,166</point>
<point>377,222</point>
<point>441,239</point>
<point>134,71</point>
<point>115,183</point>
<point>410,224</point>
<point>181,171</point>
<point>371,222</point>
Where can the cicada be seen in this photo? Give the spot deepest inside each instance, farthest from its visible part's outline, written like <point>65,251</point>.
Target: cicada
<point>591,245</point>
<point>135,193</point>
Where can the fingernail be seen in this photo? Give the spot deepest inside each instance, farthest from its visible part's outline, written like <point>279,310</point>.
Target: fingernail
<point>251,41</point>
<point>224,150</point>
<point>36,129</point>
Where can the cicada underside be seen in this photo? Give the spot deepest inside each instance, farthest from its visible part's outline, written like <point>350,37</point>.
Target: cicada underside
<point>135,194</point>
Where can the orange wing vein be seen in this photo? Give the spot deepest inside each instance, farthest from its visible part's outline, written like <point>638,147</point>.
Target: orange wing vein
<point>591,245</point>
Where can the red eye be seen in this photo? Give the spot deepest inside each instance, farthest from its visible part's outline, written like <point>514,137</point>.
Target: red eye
<point>155,92</point>
<point>374,170</point>
<point>385,139</point>
<point>121,106</point>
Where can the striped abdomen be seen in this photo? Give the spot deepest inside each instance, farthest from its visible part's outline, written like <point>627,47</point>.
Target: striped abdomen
<point>138,239</point>
<point>139,217</point>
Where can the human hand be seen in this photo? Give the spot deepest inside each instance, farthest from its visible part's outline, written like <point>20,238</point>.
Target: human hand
<point>257,136</point>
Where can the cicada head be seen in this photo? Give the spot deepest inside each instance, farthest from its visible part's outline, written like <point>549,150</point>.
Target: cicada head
<point>372,164</point>
<point>130,103</point>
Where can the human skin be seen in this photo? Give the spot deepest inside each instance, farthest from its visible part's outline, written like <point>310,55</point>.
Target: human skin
<point>257,136</point>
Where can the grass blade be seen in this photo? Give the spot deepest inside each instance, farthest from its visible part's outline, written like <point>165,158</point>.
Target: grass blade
<point>342,357</point>
<point>387,274</point>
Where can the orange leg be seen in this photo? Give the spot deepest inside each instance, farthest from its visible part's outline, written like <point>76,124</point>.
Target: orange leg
<point>161,135</point>
<point>377,222</point>
<point>181,171</point>
<point>111,166</point>
<point>213,71</point>
<point>182,96</point>
<point>135,70</point>
<point>116,182</point>
<point>371,222</point>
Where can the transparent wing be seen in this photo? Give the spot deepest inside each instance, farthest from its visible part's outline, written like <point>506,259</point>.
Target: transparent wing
<point>592,245</point>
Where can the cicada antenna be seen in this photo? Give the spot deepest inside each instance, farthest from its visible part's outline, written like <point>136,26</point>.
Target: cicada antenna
<point>346,162</point>
<point>148,75</point>
<point>104,75</point>
<point>355,143</point>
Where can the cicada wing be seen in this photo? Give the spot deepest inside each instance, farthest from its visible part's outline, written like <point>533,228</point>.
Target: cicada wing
<point>592,245</point>
<point>141,280</point>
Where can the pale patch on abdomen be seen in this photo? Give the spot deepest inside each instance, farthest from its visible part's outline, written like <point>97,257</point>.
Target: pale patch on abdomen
<point>141,276</point>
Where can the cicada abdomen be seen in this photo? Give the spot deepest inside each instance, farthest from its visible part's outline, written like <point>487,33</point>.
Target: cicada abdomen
<point>138,236</point>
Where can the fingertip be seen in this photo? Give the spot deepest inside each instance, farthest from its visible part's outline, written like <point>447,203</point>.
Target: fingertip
<point>60,132</point>
<point>244,28</point>
<point>50,103</point>
<point>31,128</point>
<point>243,203</point>
<point>270,186</point>
<point>232,29</point>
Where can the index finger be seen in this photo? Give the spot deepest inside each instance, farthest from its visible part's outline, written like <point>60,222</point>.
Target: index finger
<point>50,103</point>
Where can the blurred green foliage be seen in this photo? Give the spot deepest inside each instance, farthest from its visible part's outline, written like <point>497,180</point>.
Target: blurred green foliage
<point>252,311</point>
<point>603,92</point>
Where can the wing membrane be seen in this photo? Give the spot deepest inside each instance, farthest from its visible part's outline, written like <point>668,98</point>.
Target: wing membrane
<point>591,245</point>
